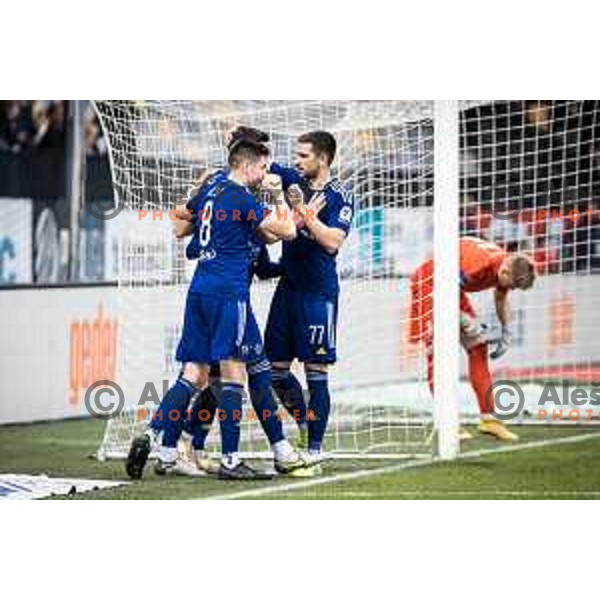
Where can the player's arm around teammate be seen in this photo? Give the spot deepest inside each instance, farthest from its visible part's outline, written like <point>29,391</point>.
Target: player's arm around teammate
<point>278,225</point>
<point>183,217</point>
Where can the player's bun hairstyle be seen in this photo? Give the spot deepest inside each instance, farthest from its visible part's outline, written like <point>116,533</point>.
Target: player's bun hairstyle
<point>322,142</point>
<point>523,271</point>
<point>246,133</point>
<point>246,151</point>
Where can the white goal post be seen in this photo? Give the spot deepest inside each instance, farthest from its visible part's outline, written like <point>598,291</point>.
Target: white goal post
<point>446,260</point>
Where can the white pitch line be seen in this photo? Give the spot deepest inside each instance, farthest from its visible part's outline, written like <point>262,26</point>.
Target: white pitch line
<point>465,494</point>
<point>365,473</point>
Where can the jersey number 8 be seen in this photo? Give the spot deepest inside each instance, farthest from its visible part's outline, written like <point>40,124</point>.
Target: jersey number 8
<point>206,227</point>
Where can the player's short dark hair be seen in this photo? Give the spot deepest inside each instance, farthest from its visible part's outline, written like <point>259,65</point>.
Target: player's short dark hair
<point>247,133</point>
<point>322,142</point>
<point>246,151</point>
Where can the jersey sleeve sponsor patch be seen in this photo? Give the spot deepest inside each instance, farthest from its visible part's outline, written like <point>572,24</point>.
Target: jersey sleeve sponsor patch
<point>342,207</point>
<point>345,215</point>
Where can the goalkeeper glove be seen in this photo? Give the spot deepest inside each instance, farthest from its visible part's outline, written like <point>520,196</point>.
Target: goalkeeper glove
<point>502,344</point>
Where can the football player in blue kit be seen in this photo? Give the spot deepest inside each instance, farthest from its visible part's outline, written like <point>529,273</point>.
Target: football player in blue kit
<point>303,315</point>
<point>218,326</point>
<point>266,409</point>
<point>203,411</point>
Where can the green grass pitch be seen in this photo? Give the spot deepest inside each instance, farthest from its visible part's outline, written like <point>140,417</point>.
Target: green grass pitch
<point>555,470</point>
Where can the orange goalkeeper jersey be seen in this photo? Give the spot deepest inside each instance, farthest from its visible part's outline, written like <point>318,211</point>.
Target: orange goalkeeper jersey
<point>479,265</point>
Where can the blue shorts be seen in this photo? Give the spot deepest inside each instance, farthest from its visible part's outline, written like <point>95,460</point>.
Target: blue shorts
<point>301,325</point>
<point>218,327</point>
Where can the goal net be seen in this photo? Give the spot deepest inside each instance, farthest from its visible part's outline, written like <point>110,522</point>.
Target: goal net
<point>524,175</point>
<point>380,401</point>
<point>530,181</point>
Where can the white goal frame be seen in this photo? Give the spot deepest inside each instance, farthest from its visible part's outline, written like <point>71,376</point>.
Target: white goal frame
<point>444,437</point>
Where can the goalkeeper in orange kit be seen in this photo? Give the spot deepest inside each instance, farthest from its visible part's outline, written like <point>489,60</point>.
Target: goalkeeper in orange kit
<point>483,266</point>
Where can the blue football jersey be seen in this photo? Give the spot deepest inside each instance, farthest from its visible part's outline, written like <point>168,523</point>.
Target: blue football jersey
<point>306,264</point>
<point>227,218</point>
<point>192,250</point>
